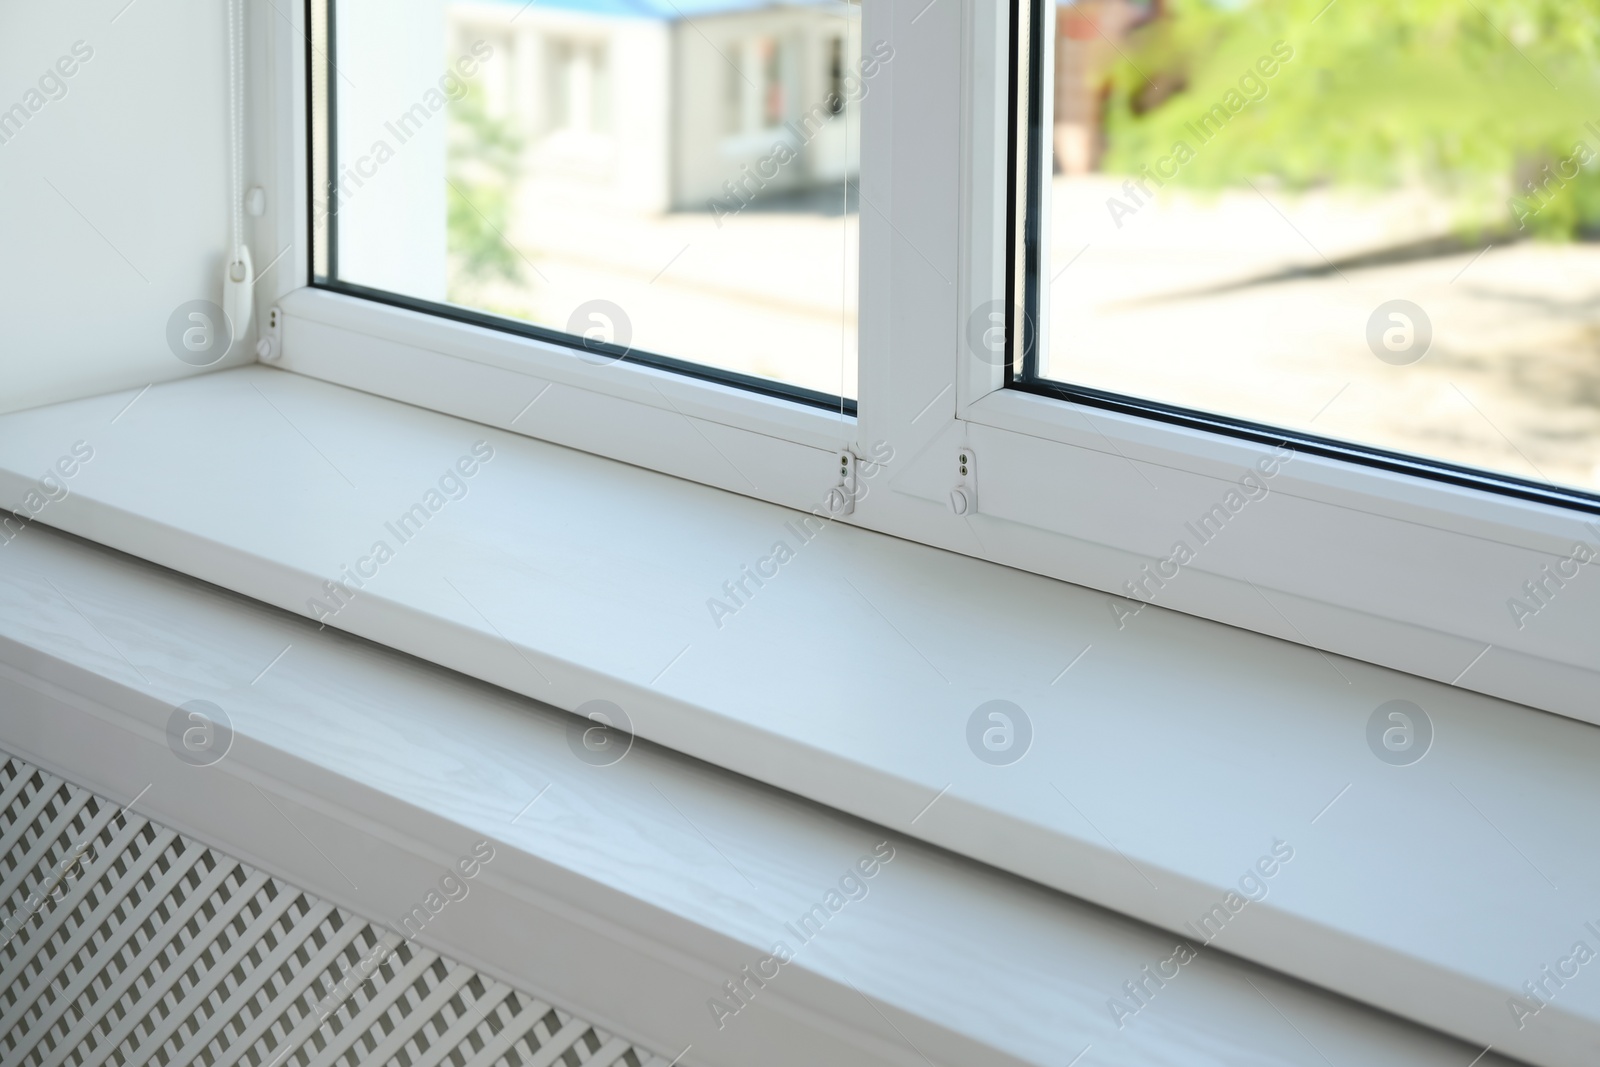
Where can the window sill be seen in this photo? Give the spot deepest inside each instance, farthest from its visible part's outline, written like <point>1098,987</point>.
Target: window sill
<point>618,892</point>
<point>1164,761</point>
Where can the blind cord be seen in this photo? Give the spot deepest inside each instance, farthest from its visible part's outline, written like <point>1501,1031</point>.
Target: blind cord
<point>238,275</point>
<point>235,125</point>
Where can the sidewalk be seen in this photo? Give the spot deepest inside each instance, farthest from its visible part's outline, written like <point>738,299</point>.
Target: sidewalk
<point>770,293</point>
<point>1512,381</point>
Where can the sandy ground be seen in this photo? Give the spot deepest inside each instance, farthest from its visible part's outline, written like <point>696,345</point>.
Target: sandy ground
<point>1207,302</point>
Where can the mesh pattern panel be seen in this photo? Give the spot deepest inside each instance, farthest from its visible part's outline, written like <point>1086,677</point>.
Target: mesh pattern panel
<point>124,944</point>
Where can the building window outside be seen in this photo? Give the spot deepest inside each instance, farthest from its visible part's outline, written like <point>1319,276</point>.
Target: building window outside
<point>756,98</point>
<point>836,87</point>
<point>580,89</point>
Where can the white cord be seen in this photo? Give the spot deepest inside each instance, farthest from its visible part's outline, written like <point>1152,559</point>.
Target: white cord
<point>235,127</point>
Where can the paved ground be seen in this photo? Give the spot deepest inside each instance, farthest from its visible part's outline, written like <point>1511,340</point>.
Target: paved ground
<point>1511,382</point>
<point>1170,305</point>
<point>771,293</point>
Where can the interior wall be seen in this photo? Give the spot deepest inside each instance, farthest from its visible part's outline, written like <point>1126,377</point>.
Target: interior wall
<point>113,191</point>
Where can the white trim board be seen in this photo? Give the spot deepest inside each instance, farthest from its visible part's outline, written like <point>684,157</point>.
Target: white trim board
<point>1165,760</point>
<point>618,890</point>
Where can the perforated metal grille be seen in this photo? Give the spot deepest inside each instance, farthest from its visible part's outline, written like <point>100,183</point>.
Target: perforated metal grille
<point>125,944</point>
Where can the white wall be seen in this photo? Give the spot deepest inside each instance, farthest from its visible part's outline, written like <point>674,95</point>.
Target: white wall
<point>136,223</point>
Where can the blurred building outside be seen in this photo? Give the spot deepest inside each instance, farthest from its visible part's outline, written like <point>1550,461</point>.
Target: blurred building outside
<point>1089,38</point>
<point>690,161</point>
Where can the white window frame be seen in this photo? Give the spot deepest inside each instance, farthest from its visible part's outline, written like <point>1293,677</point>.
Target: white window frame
<point>1389,567</point>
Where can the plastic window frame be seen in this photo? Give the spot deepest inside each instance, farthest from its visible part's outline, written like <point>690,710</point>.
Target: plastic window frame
<point>1067,487</point>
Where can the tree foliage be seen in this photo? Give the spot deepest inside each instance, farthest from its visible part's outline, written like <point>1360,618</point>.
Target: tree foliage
<point>1474,98</point>
<point>484,154</point>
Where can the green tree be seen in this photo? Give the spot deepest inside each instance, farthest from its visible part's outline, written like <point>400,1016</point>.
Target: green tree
<point>484,162</point>
<point>1475,98</point>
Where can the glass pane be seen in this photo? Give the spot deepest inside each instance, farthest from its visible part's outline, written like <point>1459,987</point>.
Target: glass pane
<point>667,181</point>
<point>1368,222</point>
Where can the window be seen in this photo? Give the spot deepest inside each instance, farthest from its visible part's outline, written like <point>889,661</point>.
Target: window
<point>559,170</point>
<point>836,85</point>
<point>1368,232</point>
<point>580,90</point>
<point>685,229</point>
<point>755,81</point>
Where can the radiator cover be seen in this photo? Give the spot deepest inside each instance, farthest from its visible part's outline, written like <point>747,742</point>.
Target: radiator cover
<point>125,943</point>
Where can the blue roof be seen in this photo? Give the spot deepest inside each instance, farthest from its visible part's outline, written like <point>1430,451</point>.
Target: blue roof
<point>667,9</point>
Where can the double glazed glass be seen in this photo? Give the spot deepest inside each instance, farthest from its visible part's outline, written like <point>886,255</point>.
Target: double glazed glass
<point>1369,224</point>
<point>664,181</point>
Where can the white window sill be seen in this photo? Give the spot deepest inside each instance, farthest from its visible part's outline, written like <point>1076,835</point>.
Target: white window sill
<point>1165,761</point>
<point>618,892</point>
